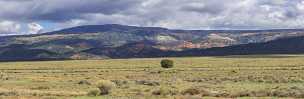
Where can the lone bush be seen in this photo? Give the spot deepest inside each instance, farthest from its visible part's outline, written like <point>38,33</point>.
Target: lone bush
<point>166,63</point>
<point>105,86</point>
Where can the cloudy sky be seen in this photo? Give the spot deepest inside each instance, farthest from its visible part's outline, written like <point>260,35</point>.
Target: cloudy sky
<point>37,16</point>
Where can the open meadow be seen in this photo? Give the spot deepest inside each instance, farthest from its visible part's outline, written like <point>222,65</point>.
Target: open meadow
<point>226,77</point>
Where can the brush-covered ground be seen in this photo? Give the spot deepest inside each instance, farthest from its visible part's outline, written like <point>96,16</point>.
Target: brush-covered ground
<point>227,77</point>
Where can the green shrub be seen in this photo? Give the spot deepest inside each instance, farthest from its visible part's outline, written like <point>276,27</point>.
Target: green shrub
<point>94,92</point>
<point>167,63</point>
<point>191,91</point>
<point>105,87</point>
<point>245,93</point>
<point>120,82</point>
<point>164,91</point>
<point>3,76</point>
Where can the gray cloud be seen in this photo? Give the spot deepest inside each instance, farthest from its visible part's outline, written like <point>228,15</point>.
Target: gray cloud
<point>60,10</point>
<point>183,14</point>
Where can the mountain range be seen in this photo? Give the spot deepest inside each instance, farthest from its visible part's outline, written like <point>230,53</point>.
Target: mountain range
<point>120,41</point>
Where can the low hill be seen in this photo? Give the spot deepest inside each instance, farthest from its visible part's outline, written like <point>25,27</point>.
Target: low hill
<point>119,41</point>
<point>293,45</point>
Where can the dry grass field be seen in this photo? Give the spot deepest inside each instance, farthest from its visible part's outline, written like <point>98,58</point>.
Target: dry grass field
<point>229,77</point>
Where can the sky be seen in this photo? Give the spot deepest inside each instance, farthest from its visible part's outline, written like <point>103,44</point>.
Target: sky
<point>38,16</point>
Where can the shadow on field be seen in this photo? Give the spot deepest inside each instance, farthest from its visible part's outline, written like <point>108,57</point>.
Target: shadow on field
<point>260,56</point>
<point>29,60</point>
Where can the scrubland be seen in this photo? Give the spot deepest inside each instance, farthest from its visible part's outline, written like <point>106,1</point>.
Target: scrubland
<point>225,77</point>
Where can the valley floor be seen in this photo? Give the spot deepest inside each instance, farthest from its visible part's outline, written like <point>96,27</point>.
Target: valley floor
<point>227,77</point>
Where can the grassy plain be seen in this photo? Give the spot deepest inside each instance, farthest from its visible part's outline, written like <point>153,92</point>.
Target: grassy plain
<point>226,77</point>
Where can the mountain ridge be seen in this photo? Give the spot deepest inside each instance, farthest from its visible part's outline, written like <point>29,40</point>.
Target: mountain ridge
<point>119,41</point>
<point>107,27</point>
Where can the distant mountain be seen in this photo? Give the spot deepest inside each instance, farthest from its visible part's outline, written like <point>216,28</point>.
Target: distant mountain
<point>119,41</point>
<point>110,28</point>
<point>292,45</point>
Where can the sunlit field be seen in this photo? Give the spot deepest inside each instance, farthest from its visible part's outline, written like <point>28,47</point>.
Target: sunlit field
<point>226,77</point>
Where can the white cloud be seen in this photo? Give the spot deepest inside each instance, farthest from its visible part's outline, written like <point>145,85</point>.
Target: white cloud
<point>181,14</point>
<point>300,6</point>
<point>9,27</point>
<point>34,28</point>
